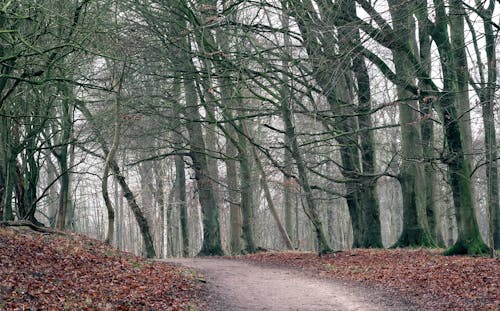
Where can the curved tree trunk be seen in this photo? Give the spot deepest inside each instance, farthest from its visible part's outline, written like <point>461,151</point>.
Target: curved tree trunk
<point>310,208</point>
<point>127,192</point>
<point>117,85</point>
<point>263,181</point>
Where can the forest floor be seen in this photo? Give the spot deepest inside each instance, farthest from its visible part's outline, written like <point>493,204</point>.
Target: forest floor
<point>242,285</point>
<point>401,279</point>
<point>423,277</point>
<point>52,270</point>
<point>63,271</point>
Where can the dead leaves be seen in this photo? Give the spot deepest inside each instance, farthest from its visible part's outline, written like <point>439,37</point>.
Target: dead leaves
<point>70,272</point>
<point>433,281</point>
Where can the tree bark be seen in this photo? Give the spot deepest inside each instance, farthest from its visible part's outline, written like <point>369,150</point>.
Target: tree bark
<point>211,231</point>
<point>235,217</point>
<point>434,215</point>
<point>180,180</point>
<point>62,159</point>
<point>180,172</point>
<point>142,222</point>
<point>490,139</point>
<point>360,194</point>
<point>117,85</point>
<point>263,181</point>
<point>469,238</point>
<point>486,93</point>
<point>369,195</point>
<point>246,189</point>
<point>310,208</point>
<point>458,48</point>
<point>415,226</point>
<point>286,97</point>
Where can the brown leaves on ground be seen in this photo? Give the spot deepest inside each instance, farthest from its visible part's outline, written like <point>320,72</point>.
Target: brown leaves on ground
<point>71,272</point>
<point>432,281</point>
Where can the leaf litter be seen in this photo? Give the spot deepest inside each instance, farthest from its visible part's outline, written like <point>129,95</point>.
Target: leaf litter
<point>65,271</point>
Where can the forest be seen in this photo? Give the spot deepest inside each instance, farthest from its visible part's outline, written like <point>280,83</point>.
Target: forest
<point>174,128</point>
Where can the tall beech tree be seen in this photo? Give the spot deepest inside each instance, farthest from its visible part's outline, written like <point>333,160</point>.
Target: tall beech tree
<point>469,239</point>
<point>485,89</point>
<point>415,226</point>
<point>361,192</point>
<point>434,213</point>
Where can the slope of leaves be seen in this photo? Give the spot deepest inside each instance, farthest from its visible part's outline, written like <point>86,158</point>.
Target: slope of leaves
<point>433,281</point>
<point>62,271</point>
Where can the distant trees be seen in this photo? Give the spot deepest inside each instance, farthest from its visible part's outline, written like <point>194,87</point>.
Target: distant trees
<point>233,112</point>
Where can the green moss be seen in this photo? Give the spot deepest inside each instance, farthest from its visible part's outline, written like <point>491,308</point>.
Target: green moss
<point>415,237</point>
<point>326,251</point>
<point>214,251</point>
<point>475,248</point>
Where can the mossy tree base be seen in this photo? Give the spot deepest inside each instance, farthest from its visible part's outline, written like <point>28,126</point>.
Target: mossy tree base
<point>416,237</point>
<point>216,251</point>
<point>474,248</point>
<point>327,252</point>
<point>373,244</point>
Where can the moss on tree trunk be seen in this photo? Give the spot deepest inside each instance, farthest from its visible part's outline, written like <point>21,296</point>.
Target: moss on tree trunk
<point>469,239</point>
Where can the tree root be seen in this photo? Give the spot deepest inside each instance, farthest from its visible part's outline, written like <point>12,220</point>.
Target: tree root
<point>27,223</point>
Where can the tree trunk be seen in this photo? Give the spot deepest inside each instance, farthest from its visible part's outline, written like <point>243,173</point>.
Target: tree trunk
<point>110,156</point>
<point>285,97</point>
<point>469,238</point>
<point>160,199</point>
<point>458,48</point>
<point>486,93</point>
<point>144,227</point>
<point>52,193</point>
<point>149,196</point>
<point>62,159</point>
<point>180,170</point>
<point>360,194</point>
<point>235,218</point>
<point>310,208</point>
<point>415,226</point>
<point>263,181</point>
<point>127,192</point>
<point>180,180</point>
<point>211,142</point>
<point>490,139</point>
<point>369,198</point>
<point>206,194</point>
<point>427,127</point>
<point>246,189</point>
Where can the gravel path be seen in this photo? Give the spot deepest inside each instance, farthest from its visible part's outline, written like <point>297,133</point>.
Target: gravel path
<point>238,285</point>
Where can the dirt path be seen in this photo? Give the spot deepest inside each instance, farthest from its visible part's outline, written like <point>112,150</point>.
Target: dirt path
<point>238,285</point>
